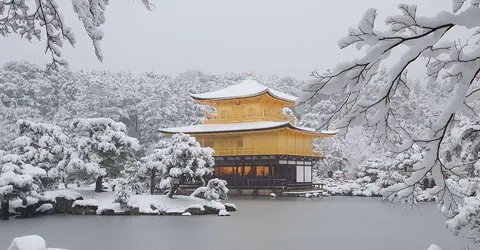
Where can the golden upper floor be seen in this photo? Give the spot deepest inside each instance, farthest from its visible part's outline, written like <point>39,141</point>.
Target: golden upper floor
<point>248,101</point>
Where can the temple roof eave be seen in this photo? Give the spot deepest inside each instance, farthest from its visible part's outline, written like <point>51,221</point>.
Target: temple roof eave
<point>234,128</point>
<point>198,97</point>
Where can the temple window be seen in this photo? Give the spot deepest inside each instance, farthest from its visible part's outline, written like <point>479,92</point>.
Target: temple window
<point>261,171</point>
<point>240,143</point>
<point>248,171</point>
<point>208,143</point>
<point>251,112</point>
<point>224,114</point>
<point>224,171</point>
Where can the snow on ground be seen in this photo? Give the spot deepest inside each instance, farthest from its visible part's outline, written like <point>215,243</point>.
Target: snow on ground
<point>147,204</point>
<point>84,203</point>
<point>177,204</point>
<point>68,194</point>
<point>355,188</point>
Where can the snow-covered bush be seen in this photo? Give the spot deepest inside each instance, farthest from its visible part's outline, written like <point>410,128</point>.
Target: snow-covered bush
<point>185,161</point>
<point>123,192</point>
<point>18,180</point>
<point>216,189</point>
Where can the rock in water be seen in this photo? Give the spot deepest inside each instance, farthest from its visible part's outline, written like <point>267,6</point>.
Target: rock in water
<point>195,210</point>
<point>434,247</point>
<point>273,195</point>
<point>29,242</point>
<point>46,208</point>
<point>223,212</point>
<point>213,207</point>
<point>230,207</point>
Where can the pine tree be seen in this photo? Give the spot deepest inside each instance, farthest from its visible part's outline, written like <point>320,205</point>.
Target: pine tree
<point>101,148</point>
<point>185,161</point>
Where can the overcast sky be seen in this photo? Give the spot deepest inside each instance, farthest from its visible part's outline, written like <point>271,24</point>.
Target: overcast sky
<point>282,37</point>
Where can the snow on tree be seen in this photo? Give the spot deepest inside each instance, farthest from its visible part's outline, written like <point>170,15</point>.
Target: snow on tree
<point>101,148</point>
<point>185,161</point>
<point>24,94</point>
<point>152,166</point>
<point>41,145</point>
<point>123,192</point>
<point>216,189</point>
<point>18,180</point>
<point>463,149</point>
<point>455,63</point>
<point>31,19</point>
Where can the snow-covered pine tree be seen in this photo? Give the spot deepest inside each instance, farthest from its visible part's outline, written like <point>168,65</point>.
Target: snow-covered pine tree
<point>101,148</point>
<point>18,180</point>
<point>152,166</point>
<point>41,145</point>
<point>185,161</point>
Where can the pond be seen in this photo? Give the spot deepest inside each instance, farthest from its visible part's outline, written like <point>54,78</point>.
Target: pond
<point>328,223</point>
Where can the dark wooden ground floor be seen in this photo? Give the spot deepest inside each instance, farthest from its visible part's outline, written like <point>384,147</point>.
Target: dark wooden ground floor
<point>265,171</point>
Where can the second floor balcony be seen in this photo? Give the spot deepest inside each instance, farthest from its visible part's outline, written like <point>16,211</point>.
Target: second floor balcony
<point>213,118</point>
<point>231,151</point>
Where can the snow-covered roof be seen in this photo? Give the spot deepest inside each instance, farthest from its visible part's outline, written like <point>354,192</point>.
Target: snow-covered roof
<point>247,88</point>
<point>234,127</point>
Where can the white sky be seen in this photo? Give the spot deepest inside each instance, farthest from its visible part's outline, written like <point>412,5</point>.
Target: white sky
<point>282,37</point>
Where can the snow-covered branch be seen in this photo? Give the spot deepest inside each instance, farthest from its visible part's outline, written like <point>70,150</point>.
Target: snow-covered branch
<point>418,38</point>
<point>30,19</point>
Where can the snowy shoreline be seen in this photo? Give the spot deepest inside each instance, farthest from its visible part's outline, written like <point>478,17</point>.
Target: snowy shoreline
<point>354,188</point>
<point>89,202</point>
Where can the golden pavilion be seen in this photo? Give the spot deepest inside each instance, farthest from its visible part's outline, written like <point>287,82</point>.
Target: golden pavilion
<point>256,145</point>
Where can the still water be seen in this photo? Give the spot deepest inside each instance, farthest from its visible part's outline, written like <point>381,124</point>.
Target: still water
<point>328,223</point>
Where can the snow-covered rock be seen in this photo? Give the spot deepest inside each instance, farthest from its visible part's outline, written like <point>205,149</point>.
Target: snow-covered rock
<point>223,212</point>
<point>230,207</point>
<point>67,194</point>
<point>29,242</point>
<point>213,207</point>
<point>273,195</point>
<point>186,214</point>
<point>196,209</point>
<point>434,247</point>
<point>45,208</point>
<point>85,203</point>
<point>85,207</point>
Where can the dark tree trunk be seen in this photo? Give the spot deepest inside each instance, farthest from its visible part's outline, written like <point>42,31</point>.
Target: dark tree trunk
<point>173,189</point>
<point>152,182</point>
<point>5,209</point>
<point>99,184</point>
